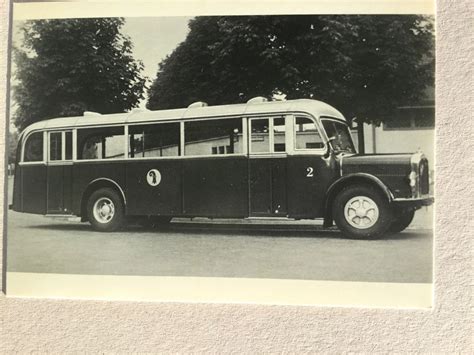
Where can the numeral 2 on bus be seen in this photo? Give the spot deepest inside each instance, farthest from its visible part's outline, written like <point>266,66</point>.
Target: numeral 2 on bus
<point>309,171</point>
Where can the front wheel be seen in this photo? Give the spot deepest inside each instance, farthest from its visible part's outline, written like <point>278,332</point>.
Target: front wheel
<point>105,210</point>
<point>402,219</point>
<point>362,212</point>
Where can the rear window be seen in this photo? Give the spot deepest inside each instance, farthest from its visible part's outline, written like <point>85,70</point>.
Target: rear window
<point>34,148</point>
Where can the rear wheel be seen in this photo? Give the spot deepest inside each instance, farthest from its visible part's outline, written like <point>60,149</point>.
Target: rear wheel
<point>105,210</point>
<point>402,219</point>
<point>362,212</point>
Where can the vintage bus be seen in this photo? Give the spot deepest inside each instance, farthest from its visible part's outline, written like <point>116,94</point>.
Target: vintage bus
<point>292,159</point>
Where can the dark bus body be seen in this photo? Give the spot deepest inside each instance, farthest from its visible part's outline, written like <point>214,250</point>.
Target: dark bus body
<point>266,159</point>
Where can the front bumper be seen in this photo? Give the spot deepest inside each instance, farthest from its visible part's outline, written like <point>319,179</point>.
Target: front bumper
<point>414,202</point>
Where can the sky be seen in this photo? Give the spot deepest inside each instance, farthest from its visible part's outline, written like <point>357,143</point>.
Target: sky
<point>154,38</point>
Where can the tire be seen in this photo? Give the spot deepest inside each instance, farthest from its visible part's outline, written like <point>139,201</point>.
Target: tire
<point>402,219</point>
<point>105,210</point>
<point>155,221</point>
<point>370,221</point>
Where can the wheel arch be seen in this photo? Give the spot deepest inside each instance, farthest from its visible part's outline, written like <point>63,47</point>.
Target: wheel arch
<point>352,179</point>
<point>96,184</point>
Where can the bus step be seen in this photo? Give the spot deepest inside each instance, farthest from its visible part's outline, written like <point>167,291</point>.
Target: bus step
<point>250,220</point>
<point>65,217</point>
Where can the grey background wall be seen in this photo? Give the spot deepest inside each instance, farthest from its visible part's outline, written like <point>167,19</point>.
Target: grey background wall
<point>71,326</point>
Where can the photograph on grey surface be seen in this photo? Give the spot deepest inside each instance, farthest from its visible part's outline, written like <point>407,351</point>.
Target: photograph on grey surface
<point>276,147</point>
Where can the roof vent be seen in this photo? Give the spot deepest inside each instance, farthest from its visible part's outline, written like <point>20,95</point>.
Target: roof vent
<point>257,100</point>
<point>198,104</point>
<point>90,113</point>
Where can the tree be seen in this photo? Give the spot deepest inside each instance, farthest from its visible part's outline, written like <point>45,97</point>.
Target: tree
<point>363,65</point>
<point>12,145</point>
<point>70,66</point>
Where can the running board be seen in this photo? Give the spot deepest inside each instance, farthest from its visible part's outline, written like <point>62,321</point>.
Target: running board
<point>250,220</point>
<point>266,218</point>
<point>67,217</point>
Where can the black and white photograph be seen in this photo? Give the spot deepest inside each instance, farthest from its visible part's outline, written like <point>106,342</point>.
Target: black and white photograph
<point>221,148</point>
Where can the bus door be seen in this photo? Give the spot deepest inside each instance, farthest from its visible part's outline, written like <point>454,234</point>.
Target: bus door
<point>30,177</point>
<point>59,172</point>
<point>267,167</point>
<point>310,169</point>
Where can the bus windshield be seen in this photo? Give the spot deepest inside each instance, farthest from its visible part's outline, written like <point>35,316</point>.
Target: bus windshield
<point>338,133</point>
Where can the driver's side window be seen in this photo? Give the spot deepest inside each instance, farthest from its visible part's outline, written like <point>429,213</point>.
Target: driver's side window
<point>306,134</point>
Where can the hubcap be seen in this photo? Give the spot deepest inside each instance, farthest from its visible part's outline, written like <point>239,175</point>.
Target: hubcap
<point>104,210</point>
<point>361,212</point>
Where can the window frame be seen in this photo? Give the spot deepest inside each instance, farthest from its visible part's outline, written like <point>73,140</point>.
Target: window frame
<point>329,118</point>
<point>23,146</point>
<point>244,138</point>
<point>63,159</point>
<point>246,135</point>
<point>321,132</point>
<point>127,140</point>
<point>75,143</point>
<point>50,133</point>
<point>271,135</point>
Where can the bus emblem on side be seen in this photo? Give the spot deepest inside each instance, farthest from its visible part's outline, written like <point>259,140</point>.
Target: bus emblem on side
<point>153,177</point>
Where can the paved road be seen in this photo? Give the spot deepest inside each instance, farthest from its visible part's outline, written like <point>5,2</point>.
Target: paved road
<point>298,250</point>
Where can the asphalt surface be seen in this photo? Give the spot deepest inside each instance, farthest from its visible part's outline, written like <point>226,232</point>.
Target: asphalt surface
<point>254,249</point>
<point>220,248</point>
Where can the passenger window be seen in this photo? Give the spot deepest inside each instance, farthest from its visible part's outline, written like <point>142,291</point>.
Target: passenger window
<point>306,134</point>
<point>209,137</point>
<point>55,146</point>
<point>260,135</point>
<point>157,140</point>
<point>279,134</point>
<point>101,143</point>
<point>34,147</point>
<point>69,145</point>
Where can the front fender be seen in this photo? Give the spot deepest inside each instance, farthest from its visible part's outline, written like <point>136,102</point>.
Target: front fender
<point>347,180</point>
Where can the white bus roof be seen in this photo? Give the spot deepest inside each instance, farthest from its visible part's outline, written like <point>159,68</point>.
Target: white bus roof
<point>316,108</point>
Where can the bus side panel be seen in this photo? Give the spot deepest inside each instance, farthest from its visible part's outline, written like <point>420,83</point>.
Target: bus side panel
<point>308,180</point>
<point>162,199</point>
<point>33,191</point>
<point>17,193</point>
<point>215,187</point>
<point>86,172</point>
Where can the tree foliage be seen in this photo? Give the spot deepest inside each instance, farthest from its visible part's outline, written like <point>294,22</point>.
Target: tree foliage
<point>12,145</point>
<point>66,67</point>
<point>363,65</point>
